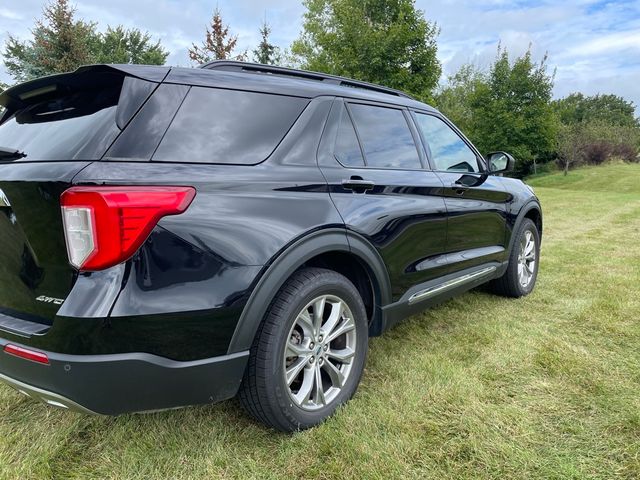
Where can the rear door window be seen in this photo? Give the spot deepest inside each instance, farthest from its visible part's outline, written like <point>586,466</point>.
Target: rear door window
<point>386,138</point>
<point>227,126</point>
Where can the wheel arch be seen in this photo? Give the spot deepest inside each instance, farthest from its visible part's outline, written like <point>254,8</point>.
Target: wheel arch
<point>532,211</point>
<point>334,248</point>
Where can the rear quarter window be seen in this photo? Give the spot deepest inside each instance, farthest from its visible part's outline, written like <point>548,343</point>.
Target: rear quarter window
<point>227,126</point>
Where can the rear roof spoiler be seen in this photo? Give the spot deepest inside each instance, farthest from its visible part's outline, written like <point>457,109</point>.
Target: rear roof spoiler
<point>18,95</point>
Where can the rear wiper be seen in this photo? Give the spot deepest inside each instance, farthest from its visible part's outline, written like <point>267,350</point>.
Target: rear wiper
<point>11,154</point>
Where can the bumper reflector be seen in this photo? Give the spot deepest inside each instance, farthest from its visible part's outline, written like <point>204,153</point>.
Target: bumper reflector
<point>38,357</point>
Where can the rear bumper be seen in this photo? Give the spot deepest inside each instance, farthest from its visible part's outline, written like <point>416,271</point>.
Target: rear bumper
<point>123,383</point>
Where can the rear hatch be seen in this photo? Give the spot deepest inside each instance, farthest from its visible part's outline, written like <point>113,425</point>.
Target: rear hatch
<point>51,129</point>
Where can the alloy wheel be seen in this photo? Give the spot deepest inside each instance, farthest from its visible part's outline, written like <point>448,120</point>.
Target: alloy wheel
<point>527,259</point>
<point>319,353</point>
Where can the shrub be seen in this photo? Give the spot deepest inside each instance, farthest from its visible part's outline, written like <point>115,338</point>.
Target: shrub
<point>626,152</point>
<point>597,152</point>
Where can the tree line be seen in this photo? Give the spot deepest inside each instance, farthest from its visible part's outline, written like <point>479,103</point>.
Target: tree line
<point>507,106</point>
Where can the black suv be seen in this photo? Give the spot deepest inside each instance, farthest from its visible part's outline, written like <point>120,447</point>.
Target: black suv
<point>177,236</point>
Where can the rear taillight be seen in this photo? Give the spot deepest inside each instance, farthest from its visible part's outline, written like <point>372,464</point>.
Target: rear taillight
<point>104,226</point>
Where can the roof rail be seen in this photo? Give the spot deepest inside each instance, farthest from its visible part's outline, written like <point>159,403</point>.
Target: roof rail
<point>234,65</point>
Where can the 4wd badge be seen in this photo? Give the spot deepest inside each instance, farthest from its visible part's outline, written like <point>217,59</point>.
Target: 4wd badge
<point>45,299</point>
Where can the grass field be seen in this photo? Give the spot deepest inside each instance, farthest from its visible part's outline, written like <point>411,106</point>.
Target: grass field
<point>480,387</point>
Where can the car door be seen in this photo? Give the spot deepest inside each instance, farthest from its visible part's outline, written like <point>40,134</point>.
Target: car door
<point>372,160</point>
<point>475,200</point>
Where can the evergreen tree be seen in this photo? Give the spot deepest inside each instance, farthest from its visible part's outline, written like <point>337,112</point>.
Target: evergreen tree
<point>61,43</point>
<point>219,44</point>
<point>266,52</point>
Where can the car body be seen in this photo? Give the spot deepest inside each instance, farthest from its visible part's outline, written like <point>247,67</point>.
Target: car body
<point>277,185</point>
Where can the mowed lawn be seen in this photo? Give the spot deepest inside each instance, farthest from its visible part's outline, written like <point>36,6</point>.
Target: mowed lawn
<point>480,387</point>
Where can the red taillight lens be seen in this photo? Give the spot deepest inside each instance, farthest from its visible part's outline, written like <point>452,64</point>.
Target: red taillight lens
<point>104,226</point>
<point>28,354</point>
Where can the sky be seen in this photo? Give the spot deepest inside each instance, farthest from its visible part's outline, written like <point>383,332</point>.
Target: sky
<point>593,46</point>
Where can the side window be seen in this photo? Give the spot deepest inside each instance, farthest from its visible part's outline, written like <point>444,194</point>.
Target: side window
<point>386,138</point>
<point>347,149</point>
<point>216,125</point>
<point>448,151</point>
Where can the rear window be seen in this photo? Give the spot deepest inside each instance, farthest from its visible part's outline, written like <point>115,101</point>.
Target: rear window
<point>227,126</point>
<point>75,126</point>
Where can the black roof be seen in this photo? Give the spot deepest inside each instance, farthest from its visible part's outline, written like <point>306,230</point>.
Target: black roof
<point>252,77</point>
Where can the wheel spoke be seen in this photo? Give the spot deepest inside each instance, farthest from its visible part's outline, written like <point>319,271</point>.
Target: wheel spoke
<point>529,249</point>
<point>334,318</point>
<point>319,393</point>
<point>531,267</point>
<point>308,382</point>
<point>294,370</point>
<point>336,376</point>
<point>305,322</point>
<point>346,326</point>
<point>318,313</point>
<point>343,356</point>
<point>294,350</point>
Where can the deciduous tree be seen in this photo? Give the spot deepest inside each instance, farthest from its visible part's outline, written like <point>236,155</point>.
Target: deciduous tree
<point>381,41</point>
<point>512,111</point>
<point>120,45</point>
<point>611,109</point>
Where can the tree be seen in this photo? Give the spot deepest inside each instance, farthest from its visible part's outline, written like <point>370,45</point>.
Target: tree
<point>218,43</point>
<point>266,52</point>
<point>61,43</point>
<point>571,146</point>
<point>611,109</point>
<point>118,45</point>
<point>381,41</point>
<point>455,98</point>
<point>512,111</point>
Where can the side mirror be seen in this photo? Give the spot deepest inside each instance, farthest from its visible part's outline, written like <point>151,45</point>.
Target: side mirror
<point>500,162</point>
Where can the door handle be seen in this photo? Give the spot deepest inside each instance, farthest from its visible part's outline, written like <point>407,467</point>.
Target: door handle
<point>358,185</point>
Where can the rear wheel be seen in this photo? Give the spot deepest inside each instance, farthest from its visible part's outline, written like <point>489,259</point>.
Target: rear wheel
<point>309,353</point>
<point>522,271</point>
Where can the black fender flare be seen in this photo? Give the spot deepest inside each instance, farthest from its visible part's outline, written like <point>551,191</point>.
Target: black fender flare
<point>286,262</point>
<point>526,208</point>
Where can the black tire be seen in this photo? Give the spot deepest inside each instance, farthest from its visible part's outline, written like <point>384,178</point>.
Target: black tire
<point>264,392</point>
<point>509,285</point>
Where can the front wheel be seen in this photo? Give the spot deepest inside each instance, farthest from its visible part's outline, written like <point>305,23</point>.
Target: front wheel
<point>522,271</point>
<point>309,353</point>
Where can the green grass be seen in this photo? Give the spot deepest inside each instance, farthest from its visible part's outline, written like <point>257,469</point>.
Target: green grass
<point>481,387</point>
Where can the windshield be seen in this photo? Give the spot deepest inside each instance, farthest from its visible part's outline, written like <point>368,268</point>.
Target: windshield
<point>78,125</point>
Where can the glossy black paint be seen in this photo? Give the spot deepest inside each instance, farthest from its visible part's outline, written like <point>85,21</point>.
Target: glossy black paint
<point>200,285</point>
